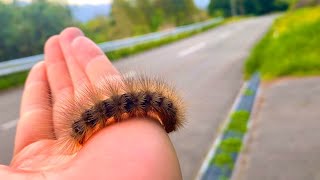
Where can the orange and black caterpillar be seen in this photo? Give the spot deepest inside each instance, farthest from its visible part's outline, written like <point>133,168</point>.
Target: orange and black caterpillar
<point>117,99</point>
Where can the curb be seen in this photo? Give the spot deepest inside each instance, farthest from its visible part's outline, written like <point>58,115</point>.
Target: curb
<point>223,154</point>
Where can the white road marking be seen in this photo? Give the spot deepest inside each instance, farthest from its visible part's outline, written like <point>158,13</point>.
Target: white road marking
<point>192,49</point>
<point>8,125</point>
<point>222,36</point>
<point>213,149</point>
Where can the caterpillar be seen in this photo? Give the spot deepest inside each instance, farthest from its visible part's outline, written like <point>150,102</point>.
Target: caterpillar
<point>113,100</point>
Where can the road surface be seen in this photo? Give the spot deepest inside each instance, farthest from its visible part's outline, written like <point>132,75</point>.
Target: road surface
<point>207,69</point>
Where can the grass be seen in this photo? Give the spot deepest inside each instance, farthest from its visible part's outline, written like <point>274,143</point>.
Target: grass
<point>231,145</point>
<point>290,48</point>
<point>223,159</point>
<point>248,92</point>
<point>13,80</point>
<point>239,121</point>
<point>223,178</point>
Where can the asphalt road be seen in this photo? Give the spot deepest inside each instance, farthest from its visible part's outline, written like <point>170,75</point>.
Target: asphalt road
<point>206,68</point>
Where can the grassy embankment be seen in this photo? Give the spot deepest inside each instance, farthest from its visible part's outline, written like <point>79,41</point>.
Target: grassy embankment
<point>19,78</point>
<point>290,48</point>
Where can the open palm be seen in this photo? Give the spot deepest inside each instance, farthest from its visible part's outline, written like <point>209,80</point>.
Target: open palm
<point>129,150</point>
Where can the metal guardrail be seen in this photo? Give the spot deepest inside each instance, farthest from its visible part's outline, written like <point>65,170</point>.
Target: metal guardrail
<point>26,63</point>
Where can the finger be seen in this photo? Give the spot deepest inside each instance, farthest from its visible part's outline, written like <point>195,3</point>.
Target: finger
<point>35,110</point>
<point>59,78</point>
<point>78,76</point>
<point>58,75</point>
<point>92,59</point>
<point>140,147</point>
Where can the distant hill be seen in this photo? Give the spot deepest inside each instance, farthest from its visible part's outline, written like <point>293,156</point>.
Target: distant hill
<point>84,13</point>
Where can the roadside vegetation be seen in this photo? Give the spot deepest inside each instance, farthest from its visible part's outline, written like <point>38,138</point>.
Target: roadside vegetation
<point>246,7</point>
<point>228,149</point>
<point>121,53</point>
<point>17,79</point>
<point>231,144</point>
<point>26,27</point>
<point>290,48</point>
<point>13,80</point>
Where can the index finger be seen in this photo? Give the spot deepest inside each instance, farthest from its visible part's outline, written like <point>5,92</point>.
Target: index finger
<point>35,110</point>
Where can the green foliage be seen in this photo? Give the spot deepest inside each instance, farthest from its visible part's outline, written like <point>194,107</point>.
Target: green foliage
<point>231,145</point>
<point>291,47</point>
<point>248,92</point>
<point>19,78</point>
<point>222,160</point>
<point>223,178</point>
<point>13,80</point>
<point>220,7</point>
<point>239,120</point>
<point>244,7</point>
<point>25,29</point>
<point>96,29</point>
<point>131,18</point>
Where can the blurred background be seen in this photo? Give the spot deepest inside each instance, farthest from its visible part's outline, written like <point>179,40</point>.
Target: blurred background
<point>208,48</point>
<point>29,23</point>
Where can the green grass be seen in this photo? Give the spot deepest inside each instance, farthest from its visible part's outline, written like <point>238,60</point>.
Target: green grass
<point>222,160</point>
<point>248,92</point>
<point>231,145</point>
<point>239,121</point>
<point>223,178</point>
<point>290,48</point>
<point>13,80</point>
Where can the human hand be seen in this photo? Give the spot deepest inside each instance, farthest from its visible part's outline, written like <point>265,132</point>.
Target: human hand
<point>129,150</point>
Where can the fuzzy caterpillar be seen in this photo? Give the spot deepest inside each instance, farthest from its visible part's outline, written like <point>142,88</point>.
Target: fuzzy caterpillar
<point>113,100</point>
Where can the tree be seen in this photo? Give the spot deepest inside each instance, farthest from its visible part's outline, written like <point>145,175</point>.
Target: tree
<point>134,17</point>
<point>25,29</point>
<point>220,7</point>
<point>98,29</point>
<point>179,11</point>
<point>254,7</point>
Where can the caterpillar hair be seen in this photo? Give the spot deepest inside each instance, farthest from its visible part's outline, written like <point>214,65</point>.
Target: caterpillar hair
<point>113,100</point>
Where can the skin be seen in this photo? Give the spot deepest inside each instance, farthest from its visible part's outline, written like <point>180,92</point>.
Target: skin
<point>134,149</point>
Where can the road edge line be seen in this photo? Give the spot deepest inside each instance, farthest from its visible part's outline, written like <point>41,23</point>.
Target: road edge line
<point>246,137</point>
<point>217,140</point>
